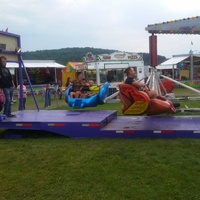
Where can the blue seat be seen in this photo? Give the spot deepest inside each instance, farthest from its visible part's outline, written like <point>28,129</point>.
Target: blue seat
<point>92,101</point>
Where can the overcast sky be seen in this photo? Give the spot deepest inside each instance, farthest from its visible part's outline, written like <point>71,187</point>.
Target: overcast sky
<point>106,24</point>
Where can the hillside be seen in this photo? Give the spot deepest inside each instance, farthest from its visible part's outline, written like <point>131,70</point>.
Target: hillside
<point>75,54</point>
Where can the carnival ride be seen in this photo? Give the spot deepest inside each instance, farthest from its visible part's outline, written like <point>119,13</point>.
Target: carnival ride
<point>105,124</point>
<point>141,105</point>
<point>92,101</point>
<point>181,26</point>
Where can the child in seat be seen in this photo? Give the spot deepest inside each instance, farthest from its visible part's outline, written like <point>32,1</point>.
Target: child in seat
<point>94,89</point>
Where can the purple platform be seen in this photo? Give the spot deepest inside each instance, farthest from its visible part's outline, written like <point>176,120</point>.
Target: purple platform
<point>104,124</point>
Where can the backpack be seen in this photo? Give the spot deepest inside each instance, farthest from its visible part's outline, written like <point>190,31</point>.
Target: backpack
<point>2,100</point>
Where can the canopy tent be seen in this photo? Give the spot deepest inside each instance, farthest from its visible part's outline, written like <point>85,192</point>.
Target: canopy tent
<point>39,66</point>
<point>36,64</point>
<point>172,62</point>
<point>69,71</point>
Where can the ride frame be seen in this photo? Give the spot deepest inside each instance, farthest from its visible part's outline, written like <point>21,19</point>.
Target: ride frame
<point>184,26</point>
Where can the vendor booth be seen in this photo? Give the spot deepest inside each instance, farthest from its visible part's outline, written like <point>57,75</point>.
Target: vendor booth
<point>39,71</point>
<point>110,67</point>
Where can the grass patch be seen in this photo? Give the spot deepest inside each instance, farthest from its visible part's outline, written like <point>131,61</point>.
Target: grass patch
<point>60,168</point>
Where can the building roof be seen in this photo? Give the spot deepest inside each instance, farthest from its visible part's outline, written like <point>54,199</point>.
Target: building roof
<point>36,64</point>
<point>172,62</point>
<point>190,25</point>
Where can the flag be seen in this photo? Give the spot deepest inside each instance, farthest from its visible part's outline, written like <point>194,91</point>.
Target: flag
<point>191,43</point>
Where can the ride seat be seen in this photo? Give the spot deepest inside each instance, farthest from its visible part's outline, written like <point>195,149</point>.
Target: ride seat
<point>138,102</point>
<point>135,102</point>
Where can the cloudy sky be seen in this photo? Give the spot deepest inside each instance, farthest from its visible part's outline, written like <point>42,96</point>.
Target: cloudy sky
<point>107,24</point>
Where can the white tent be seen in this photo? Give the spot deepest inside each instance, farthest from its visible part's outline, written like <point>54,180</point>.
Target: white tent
<point>36,64</point>
<point>172,62</point>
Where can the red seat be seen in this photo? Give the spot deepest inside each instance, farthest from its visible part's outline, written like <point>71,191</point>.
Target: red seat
<point>135,102</point>
<point>138,102</point>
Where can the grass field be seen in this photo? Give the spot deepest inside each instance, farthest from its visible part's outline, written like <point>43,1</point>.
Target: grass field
<point>111,169</point>
<point>59,168</point>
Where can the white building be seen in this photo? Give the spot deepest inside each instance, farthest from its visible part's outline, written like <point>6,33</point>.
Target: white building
<point>110,67</point>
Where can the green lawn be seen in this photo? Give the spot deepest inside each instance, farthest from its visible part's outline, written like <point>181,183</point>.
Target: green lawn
<point>59,168</point>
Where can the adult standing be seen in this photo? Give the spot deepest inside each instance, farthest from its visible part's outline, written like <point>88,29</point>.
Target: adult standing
<point>7,84</point>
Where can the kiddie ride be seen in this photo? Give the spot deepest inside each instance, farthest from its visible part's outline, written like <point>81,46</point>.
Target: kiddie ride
<point>91,101</point>
<point>135,102</point>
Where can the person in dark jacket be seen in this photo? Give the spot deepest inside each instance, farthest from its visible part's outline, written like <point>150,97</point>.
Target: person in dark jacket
<point>7,85</point>
<point>131,75</point>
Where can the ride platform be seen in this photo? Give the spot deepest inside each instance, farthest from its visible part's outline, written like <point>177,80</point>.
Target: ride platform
<point>100,124</point>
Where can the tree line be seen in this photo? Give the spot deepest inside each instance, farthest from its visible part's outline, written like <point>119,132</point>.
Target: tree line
<point>75,54</point>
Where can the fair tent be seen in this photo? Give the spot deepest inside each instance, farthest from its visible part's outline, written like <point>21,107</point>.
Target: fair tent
<point>36,64</point>
<point>172,62</point>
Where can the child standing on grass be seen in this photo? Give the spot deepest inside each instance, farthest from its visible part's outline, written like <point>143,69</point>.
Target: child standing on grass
<point>48,96</point>
<point>24,95</point>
